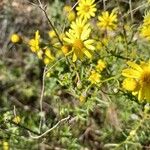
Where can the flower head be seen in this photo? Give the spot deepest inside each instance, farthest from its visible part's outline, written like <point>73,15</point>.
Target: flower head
<point>15,38</point>
<point>80,42</point>
<point>108,21</point>
<point>139,79</point>
<point>86,9</point>
<point>94,77</point>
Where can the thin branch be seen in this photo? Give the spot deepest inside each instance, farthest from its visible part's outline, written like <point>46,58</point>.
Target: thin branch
<point>64,26</point>
<point>43,87</point>
<point>42,95</point>
<point>49,130</point>
<point>131,12</point>
<point>43,8</point>
<point>104,5</point>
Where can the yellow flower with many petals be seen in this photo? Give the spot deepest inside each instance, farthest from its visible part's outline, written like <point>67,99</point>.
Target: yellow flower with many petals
<point>141,74</point>
<point>94,77</point>
<point>86,9</point>
<point>34,43</point>
<point>80,43</point>
<point>108,21</point>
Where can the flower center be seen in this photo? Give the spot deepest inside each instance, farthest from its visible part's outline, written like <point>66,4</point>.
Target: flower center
<point>145,77</point>
<point>86,8</point>
<point>78,44</point>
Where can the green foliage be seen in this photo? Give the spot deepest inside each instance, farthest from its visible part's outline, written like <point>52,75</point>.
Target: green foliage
<point>101,115</point>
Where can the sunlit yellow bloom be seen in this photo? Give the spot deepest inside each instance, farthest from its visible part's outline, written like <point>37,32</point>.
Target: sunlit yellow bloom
<point>94,77</point>
<point>141,74</point>
<point>69,13</point>
<point>80,43</point>
<point>101,65</point>
<point>86,9</point>
<point>108,21</point>
<point>34,43</point>
<point>15,38</point>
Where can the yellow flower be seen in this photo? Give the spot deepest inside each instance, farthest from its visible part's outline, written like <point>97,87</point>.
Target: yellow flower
<point>86,9</point>
<point>80,43</point>
<point>34,43</point>
<point>15,38</point>
<point>141,74</point>
<point>69,12</point>
<point>94,77</point>
<point>108,21</point>
<point>16,119</point>
<point>101,65</point>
